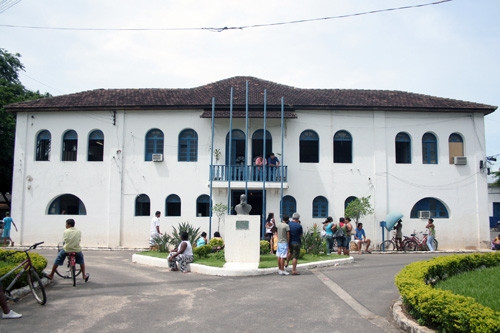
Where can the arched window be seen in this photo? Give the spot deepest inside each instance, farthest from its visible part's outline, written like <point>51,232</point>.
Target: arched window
<point>142,205</point>
<point>289,205</point>
<point>70,146</point>
<point>173,205</point>
<point>342,147</point>
<point>43,146</point>
<point>257,143</point>
<point>429,207</point>
<point>309,147</point>
<point>154,144</point>
<point>320,207</point>
<point>403,148</point>
<point>188,146</point>
<point>237,148</point>
<point>429,149</point>
<point>455,146</point>
<point>203,205</point>
<point>349,200</point>
<point>67,204</point>
<point>96,146</point>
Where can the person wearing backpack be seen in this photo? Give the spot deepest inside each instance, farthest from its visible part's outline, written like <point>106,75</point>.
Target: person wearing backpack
<point>340,232</point>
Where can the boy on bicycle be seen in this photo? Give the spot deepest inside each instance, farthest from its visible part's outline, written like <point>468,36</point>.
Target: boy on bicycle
<point>71,237</point>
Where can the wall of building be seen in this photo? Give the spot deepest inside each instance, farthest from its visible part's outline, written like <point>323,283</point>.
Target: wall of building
<point>109,188</point>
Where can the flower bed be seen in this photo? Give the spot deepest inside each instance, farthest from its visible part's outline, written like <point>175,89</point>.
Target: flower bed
<point>441,309</point>
<point>12,260</point>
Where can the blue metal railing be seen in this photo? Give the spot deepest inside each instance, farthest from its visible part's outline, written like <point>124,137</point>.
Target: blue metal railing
<point>249,173</point>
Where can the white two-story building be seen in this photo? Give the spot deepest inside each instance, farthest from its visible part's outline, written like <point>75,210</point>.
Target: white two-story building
<point>111,158</point>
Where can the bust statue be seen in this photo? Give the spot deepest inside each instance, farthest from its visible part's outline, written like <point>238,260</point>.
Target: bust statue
<point>243,208</point>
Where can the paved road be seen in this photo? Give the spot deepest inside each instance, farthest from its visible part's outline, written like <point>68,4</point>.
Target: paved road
<point>125,297</point>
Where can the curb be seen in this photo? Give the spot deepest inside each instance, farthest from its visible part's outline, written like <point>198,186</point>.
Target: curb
<point>221,271</point>
<point>406,323</point>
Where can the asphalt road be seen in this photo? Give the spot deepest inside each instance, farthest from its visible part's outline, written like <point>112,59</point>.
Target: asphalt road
<point>125,297</point>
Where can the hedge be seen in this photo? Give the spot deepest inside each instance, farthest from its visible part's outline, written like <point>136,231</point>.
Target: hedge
<point>11,258</point>
<point>441,309</point>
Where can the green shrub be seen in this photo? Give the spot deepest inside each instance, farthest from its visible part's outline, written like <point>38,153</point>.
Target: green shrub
<point>162,242</point>
<point>302,253</point>
<point>11,259</point>
<point>265,247</point>
<point>220,255</point>
<point>202,251</point>
<point>312,241</point>
<point>216,243</point>
<point>193,233</point>
<point>441,309</point>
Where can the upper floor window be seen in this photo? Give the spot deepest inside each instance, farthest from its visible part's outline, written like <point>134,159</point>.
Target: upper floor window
<point>238,144</point>
<point>258,144</point>
<point>43,146</point>
<point>309,147</point>
<point>203,205</point>
<point>403,148</point>
<point>70,146</point>
<point>429,149</point>
<point>342,147</point>
<point>320,207</point>
<point>154,144</point>
<point>455,146</point>
<point>173,205</point>
<point>289,206</point>
<point>67,204</point>
<point>188,146</point>
<point>142,205</point>
<point>96,146</point>
<point>436,208</point>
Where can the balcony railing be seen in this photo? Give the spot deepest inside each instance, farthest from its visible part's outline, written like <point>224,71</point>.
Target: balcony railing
<point>241,173</point>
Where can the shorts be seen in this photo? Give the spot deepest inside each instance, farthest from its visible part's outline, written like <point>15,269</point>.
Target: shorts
<point>6,233</point>
<point>295,250</point>
<point>282,250</point>
<point>342,241</point>
<point>62,255</point>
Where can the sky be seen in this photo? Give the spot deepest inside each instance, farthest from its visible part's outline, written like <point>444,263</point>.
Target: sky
<point>449,49</point>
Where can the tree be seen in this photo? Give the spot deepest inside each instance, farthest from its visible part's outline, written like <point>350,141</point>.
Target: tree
<point>11,91</point>
<point>497,178</point>
<point>219,209</point>
<point>358,208</point>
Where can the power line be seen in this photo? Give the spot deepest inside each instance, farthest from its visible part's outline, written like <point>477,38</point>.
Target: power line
<point>6,4</point>
<point>220,29</point>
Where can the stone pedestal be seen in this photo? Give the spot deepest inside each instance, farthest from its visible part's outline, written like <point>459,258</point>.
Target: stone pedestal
<point>242,242</point>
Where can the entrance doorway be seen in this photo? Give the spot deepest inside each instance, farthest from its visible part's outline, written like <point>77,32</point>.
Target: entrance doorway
<point>254,199</point>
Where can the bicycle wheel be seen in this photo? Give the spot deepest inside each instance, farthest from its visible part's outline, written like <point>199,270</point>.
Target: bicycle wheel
<point>36,286</point>
<point>66,274</point>
<point>388,245</point>
<point>410,245</point>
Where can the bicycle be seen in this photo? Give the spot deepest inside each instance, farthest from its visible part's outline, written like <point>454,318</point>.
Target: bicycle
<point>421,244</point>
<point>71,271</point>
<point>407,244</point>
<point>34,281</point>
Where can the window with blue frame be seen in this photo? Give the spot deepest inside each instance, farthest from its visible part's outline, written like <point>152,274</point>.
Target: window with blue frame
<point>154,144</point>
<point>258,144</point>
<point>289,206</point>
<point>403,148</point>
<point>70,146</point>
<point>342,147</point>
<point>173,205</point>
<point>435,206</point>
<point>43,140</point>
<point>96,146</point>
<point>349,200</point>
<point>188,146</point>
<point>309,147</point>
<point>429,149</point>
<point>142,205</point>
<point>67,204</point>
<point>238,142</point>
<point>203,205</point>
<point>320,207</point>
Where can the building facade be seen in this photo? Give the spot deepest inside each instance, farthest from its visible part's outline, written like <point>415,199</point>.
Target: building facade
<point>111,158</point>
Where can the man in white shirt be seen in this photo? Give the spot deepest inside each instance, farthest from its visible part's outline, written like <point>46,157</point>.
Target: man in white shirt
<point>155,228</point>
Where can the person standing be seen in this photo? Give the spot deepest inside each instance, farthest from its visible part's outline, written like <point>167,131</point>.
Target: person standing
<point>269,225</point>
<point>431,235</point>
<point>295,243</point>
<point>348,230</point>
<point>154,230</point>
<point>7,312</point>
<point>7,222</point>
<point>273,162</point>
<point>360,239</point>
<point>399,235</point>
<point>283,240</point>
<point>342,241</point>
<point>71,238</point>
<point>328,224</point>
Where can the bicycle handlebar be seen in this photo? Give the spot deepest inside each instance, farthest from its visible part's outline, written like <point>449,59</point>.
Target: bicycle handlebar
<point>34,246</point>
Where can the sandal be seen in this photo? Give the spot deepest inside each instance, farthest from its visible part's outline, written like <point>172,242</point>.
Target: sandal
<point>87,276</point>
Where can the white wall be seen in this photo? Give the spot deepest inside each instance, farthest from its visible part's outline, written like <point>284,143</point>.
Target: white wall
<point>109,188</point>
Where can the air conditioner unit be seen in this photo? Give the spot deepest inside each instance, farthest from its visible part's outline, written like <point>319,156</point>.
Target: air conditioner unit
<point>460,160</point>
<point>424,214</point>
<point>157,157</point>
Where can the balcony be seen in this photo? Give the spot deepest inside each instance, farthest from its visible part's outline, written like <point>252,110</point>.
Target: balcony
<point>254,175</point>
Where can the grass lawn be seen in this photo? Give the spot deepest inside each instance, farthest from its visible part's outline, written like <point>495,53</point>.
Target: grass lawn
<point>481,284</point>
<point>266,260</point>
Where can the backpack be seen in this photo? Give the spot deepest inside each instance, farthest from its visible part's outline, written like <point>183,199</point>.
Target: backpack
<point>339,232</point>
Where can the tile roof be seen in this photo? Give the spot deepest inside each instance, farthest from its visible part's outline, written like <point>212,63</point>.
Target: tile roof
<point>201,98</point>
